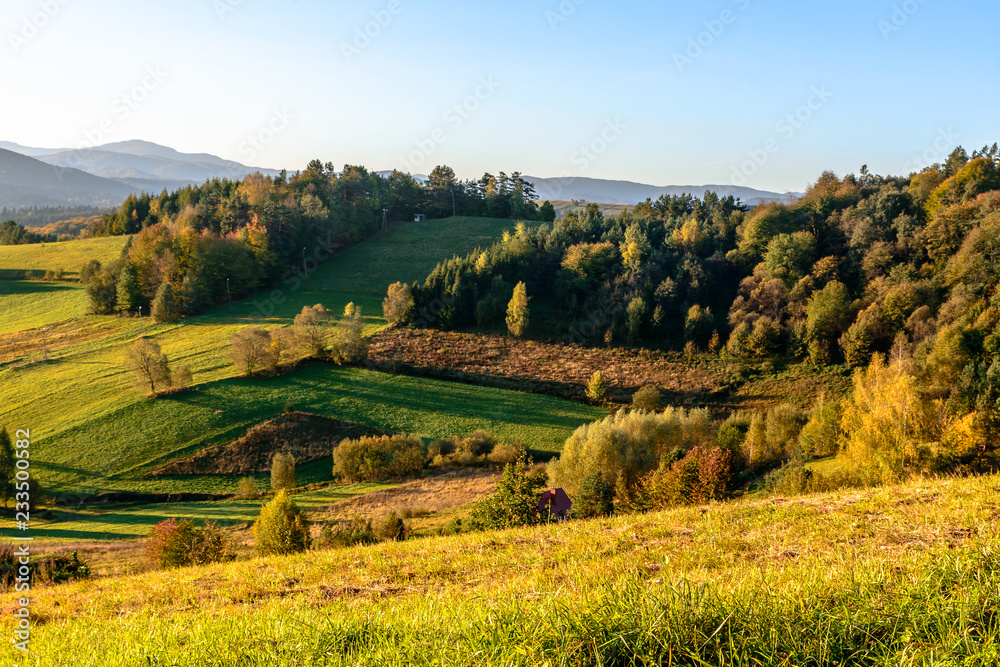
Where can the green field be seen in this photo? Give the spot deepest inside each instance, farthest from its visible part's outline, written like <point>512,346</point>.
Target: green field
<point>905,575</point>
<point>70,256</point>
<point>133,521</point>
<point>92,431</point>
<point>29,304</point>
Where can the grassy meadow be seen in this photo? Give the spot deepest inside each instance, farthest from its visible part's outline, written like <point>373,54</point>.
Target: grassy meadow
<point>92,431</point>
<point>906,575</point>
<point>70,256</point>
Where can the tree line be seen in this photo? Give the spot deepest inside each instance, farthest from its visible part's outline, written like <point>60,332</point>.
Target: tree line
<point>202,245</point>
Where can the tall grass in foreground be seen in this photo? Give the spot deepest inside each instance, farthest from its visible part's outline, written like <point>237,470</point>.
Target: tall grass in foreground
<point>947,616</point>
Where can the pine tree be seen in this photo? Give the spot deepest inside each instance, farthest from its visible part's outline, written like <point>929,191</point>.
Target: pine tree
<point>596,498</point>
<point>164,304</point>
<point>518,313</point>
<point>129,290</point>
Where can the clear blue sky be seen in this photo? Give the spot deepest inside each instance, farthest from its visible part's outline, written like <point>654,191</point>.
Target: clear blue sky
<point>893,76</point>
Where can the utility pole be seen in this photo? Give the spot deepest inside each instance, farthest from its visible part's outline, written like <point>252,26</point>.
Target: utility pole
<point>45,348</point>
<point>385,222</point>
<point>454,209</point>
<point>305,269</point>
<point>142,327</point>
<point>229,294</point>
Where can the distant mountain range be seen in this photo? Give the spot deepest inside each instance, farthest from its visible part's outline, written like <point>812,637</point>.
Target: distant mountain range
<point>103,175</point>
<point>627,192</point>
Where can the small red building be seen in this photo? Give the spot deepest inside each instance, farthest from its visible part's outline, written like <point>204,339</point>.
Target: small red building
<point>555,504</point>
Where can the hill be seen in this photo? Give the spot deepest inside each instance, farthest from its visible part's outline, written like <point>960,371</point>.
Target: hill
<point>896,575</point>
<point>628,192</point>
<point>27,182</point>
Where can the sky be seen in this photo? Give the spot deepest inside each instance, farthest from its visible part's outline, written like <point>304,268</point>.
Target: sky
<point>741,92</point>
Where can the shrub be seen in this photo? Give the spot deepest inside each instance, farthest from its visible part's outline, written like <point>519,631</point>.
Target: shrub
<point>701,476</point>
<point>648,399</point>
<point>597,387</point>
<point>733,433</point>
<point>349,342</point>
<point>390,528</point>
<point>247,488</point>
<point>515,502</point>
<point>60,568</point>
<point>504,453</point>
<point>178,543</point>
<point>280,529</point>
<point>346,534</point>
<point>312,329</point>
<point>627,445</point>
<point>398,304</point>
<point>596,498</point>
<point>373,459</point>
<point>698,326</point>
<point>283,471</point>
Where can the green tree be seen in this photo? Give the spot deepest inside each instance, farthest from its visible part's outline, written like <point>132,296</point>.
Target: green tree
<point>828,314</point>
<point>647,398</point>
<point>283,471</point>
<point>518,312</point>
<point>129,289</point>
<point>280,529</point>
<point>515,502</point>
<point>547,212</point>
<point>596,498</point>
<point>699,326</point>
<point>102,292</point>
<point>165,304</point>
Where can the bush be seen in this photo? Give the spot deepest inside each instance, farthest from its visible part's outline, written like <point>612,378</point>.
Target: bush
<point>280,529</point>
<point>597,387</point>
<point>515,502</point>
<point>346,534</point>
<point>398,304</point>
<point>377,458</point>
<point>624,447</point>
<point>390,528</point>
<point>247,488</point>
<point>312,330</point>
<point>178,543</point>
<point>283,471</point>
<point>596,498</point>
<point>349,342</point>
<point>504,453</point>
<point>701,476</point>
<point>54,569</point>
<point>648,399</point>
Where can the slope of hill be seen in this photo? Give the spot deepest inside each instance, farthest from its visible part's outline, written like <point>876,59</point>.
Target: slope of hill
<point>26,182</point>
<point>890,576</point>
<point>628,192</point>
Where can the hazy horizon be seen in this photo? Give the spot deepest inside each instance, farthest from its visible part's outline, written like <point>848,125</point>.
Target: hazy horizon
<point>735,93</point>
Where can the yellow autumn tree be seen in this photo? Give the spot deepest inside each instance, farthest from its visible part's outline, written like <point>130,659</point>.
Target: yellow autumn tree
<point>884,425</point>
